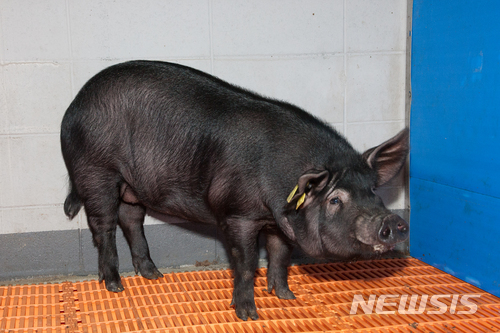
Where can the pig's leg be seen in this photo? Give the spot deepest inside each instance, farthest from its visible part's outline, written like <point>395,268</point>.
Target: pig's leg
<point>279,252</point>
<point>241,237</point>
<point>101,208</point>
<point>131,219</point>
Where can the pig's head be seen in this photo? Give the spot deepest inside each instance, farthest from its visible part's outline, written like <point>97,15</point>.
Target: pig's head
<point>336,213</point>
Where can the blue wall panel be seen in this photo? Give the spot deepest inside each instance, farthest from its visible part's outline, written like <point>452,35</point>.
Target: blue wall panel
<point>457,231</point>
<point>455,138</point>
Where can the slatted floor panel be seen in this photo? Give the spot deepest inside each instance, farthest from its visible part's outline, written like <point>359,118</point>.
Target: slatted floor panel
<point>199,302</point>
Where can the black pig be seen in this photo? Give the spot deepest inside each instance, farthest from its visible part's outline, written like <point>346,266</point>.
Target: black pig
<point>157,135</point>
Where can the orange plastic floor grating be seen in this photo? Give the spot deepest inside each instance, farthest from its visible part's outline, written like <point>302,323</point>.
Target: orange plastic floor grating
<point>199,302</point>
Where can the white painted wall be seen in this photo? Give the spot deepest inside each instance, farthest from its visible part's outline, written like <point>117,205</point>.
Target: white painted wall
<point>343,60</point>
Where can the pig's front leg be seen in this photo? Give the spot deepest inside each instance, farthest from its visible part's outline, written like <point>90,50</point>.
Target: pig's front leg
<point>241,237</point>
<point>279,251</point>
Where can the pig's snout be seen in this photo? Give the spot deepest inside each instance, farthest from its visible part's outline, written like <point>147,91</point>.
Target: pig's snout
<point>393,230</point>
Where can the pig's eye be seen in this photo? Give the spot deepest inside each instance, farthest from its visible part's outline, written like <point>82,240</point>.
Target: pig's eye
<point>335,201</point>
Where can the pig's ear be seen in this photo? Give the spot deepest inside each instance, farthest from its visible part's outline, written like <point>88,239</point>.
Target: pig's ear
<point>389,157</point>
<point>309,184</point>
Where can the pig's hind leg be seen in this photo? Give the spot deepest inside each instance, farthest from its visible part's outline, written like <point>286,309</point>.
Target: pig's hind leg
<point>101,201</point>
<point>131,220</point>
<point>279,252</point>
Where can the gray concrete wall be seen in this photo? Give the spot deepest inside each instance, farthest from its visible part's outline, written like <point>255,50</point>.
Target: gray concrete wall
<point>173,244</point>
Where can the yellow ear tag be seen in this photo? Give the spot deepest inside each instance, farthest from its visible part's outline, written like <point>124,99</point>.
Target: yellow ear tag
<point>301,201</point>
<point>290,196</point>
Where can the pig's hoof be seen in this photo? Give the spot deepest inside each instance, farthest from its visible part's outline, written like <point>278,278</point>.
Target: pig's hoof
<point>284,293</point>
<point>114,286</point>
<point>149,270</point>
<point>245,310</point>
<point>155,274</point>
